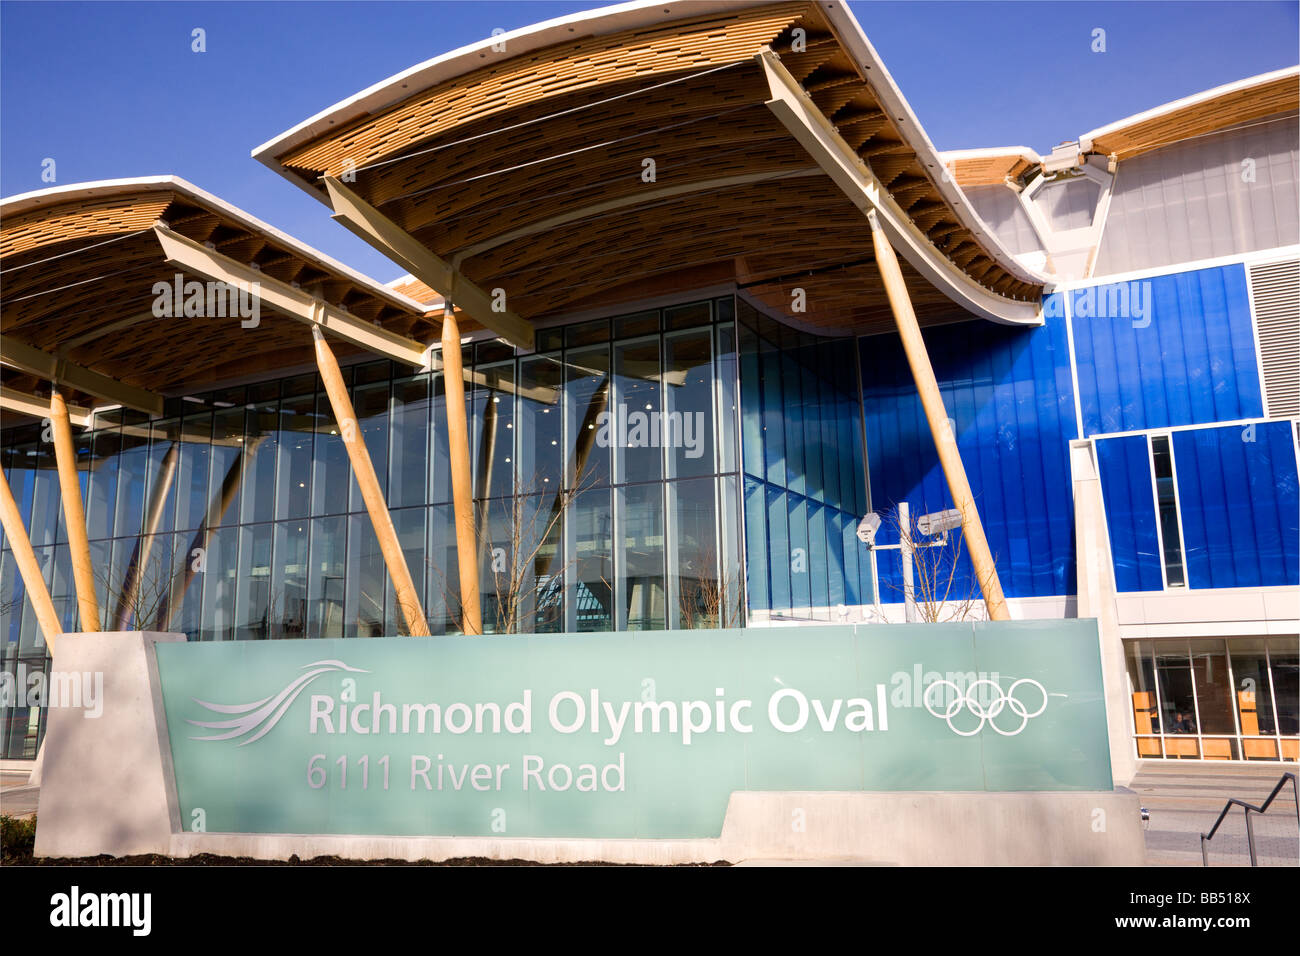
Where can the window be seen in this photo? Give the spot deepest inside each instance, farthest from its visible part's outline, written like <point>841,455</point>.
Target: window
<point>1171,542</point>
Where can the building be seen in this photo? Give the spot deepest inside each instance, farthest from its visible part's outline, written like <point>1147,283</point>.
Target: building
<point>646,227</point>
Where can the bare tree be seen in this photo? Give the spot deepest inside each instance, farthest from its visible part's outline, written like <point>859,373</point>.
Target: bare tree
<point>708,599</point>
<point>942,589</point>
<point>520,551</point>
<point>140,599</point>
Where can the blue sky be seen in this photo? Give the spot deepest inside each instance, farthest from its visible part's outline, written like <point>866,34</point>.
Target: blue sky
<point>113,89</point>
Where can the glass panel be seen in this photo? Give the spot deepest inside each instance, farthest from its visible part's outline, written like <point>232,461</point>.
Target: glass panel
<point>1284,658</point>
<point>634,423</point>
<point>494,430</point>
<point>101,493</point>
<point>331,472</point>
<point>817,564</point>
<point>253,587</point>
<point>1177,706</point>
<point>219,576</point>
<point>366,583</point>
<point>1253,695</point>
<point>409,524</point>
<point>733,595</point>
<point>800,589</point>
<point>1170,539</point>
<point>229,461</point>
<point>371,405</point>
<point>773,418</point>
<point>164,455</point>
<point>185,598</point>
<point>727,399</point>
<point>687,316</point>
<point>687,427</point>
<point>443,607</point>
<point>588,417</point>
<point>1142,682</point>
<point>325,591</point>
<point>751,403</point>
<point>409,463</point>
<point>643,323</point>
<point>288,602</point>
<point>540,423</point>
<point>1213,687</point>
<point>756,555</point>
<point>440,467</point>
<point>642,599</point>
<point>792,410</point>
<point>192,472</point>
<point>587,333</point>
<point>778,549</point>
<point>132,472</point>
<point>297,428</point>
<point>700,592</point>
<point>262,431</point>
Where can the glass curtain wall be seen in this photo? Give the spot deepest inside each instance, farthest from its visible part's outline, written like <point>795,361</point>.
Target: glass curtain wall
<point>605,475</point>
<point>805,489</point>
<point>1216,699</point>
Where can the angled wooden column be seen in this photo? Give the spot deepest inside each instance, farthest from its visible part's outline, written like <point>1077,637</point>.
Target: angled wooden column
<point>462,491</point>
<point>944,440</point>
<point>12,520</point>
<point>74,513</point>
<point>408,598</point>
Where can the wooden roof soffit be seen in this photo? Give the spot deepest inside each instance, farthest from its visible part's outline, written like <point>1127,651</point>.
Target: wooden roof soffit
<point>185,253</point>
<point>796,111</point>
<point>392,240</point>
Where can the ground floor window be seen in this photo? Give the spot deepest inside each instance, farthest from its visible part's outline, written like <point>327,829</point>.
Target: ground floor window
<point>1216,699</point>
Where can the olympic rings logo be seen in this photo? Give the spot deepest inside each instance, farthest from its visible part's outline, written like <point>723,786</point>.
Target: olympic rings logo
<point>1005,700</point>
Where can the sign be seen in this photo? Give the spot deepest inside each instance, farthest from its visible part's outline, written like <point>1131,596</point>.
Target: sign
<point>631,735</point>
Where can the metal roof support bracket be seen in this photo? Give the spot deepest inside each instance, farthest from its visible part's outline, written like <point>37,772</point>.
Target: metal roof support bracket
<point>367,222</point>
<point>818,136</point>
<point>185,253</point>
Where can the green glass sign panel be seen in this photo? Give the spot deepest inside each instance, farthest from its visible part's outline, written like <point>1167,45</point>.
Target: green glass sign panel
<point>620,734</point>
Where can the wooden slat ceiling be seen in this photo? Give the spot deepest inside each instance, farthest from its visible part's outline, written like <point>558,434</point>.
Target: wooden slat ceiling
<point>77,268</point>
<point>467,161</point>
<point>987,170</point>
<point>1281,95</point>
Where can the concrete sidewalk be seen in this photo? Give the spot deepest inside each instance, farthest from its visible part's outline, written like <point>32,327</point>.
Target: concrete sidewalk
<point>1185,799</point>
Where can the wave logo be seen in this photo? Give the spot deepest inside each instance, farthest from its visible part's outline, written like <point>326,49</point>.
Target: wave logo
<point>987,705</point>
<point>262,715</point>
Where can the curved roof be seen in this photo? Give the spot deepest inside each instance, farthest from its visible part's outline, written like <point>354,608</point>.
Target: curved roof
<point>521,159</point>
<point>80,263</point>
<point>1229,105</point>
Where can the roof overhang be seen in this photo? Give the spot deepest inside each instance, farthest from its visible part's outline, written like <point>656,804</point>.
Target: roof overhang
<point>495,120</point>
<point>1224,106</point>
<point>83,267</point>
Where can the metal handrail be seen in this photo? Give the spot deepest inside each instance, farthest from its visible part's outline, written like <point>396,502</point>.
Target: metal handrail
<point>1250,808</point>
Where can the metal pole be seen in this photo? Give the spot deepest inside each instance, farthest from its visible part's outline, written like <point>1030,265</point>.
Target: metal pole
<point>1250,839</point>
<point>905,552</point>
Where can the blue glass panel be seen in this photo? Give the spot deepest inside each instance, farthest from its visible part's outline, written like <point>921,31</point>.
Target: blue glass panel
<point>756,558</point>
<point>1168,350</point>
<point>778,549</point>
<point>1125,471</point>
<point>1237,496</point>
<point>800,560</point>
